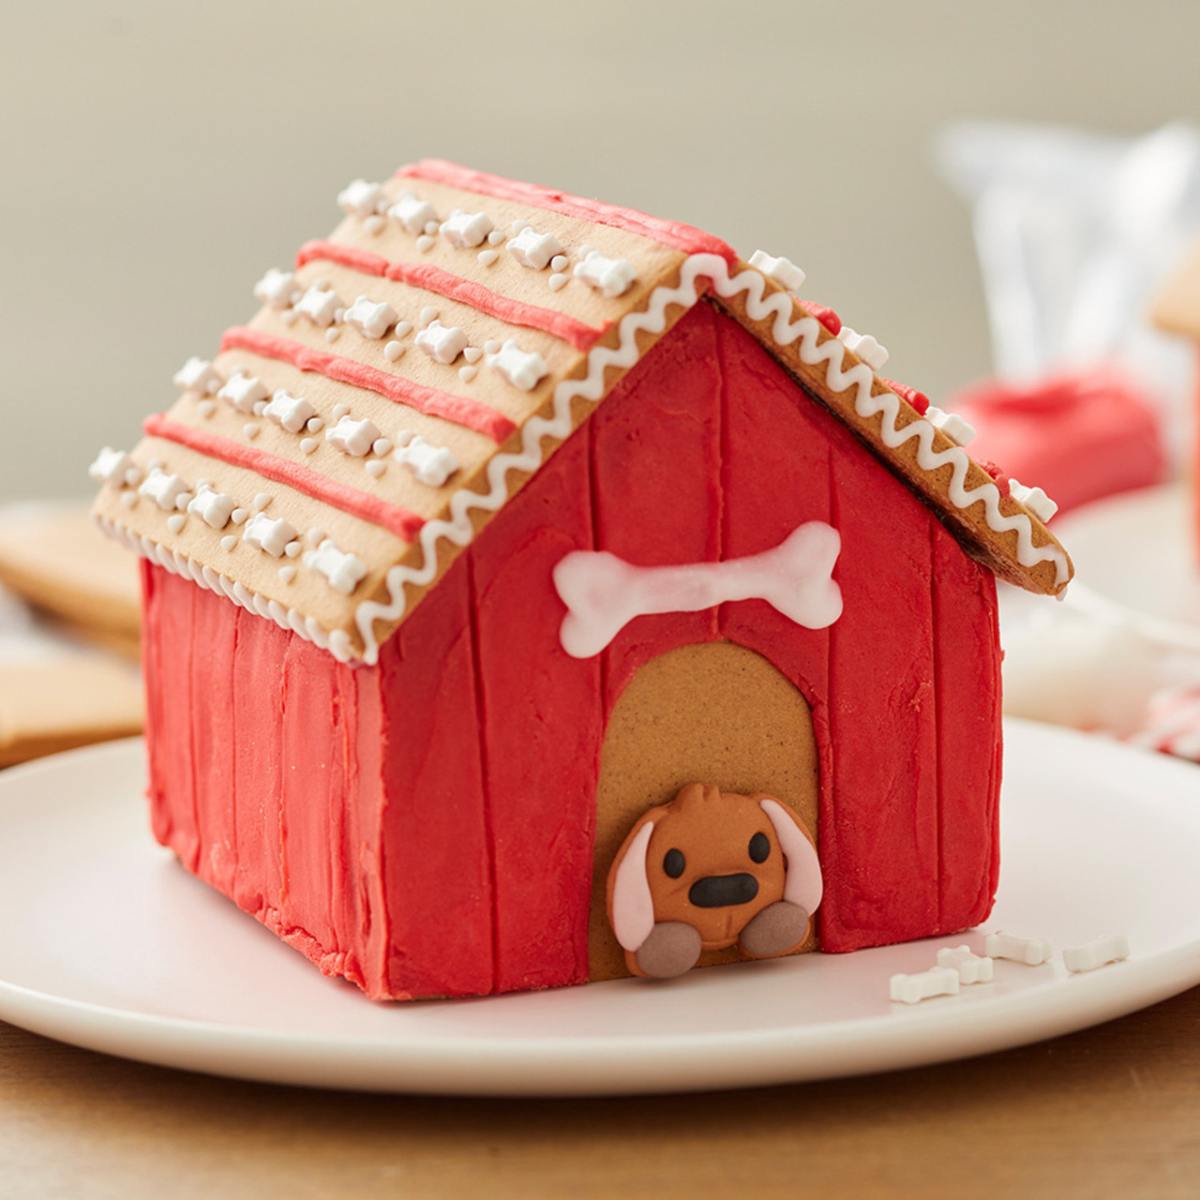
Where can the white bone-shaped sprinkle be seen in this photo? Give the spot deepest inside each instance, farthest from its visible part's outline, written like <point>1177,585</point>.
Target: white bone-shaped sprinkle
<point>1098,953</point>
<point>1030,951</point>
<point>412,212</point>
<point>242,391</point>
<point>872,352</point>
<point>523,369</point>
<point>782,270</point>
<point>603,592</point>
<point>371,318</point>
<point>165,489</point>
<point>442,342</point>
<point>275,288</point>
<point>924,985</point>
<point>114,467</point>
<point>533,249</point>
<point>197,375</point>
<point>352,437</point>
<point>611,277</point>
<point>212,507</point>
<point>319,305</point>
<point>956,428</point>
<point>343,571</point>
<point>971,968</point>
<point>1034,499</point>
<point>289,412</point>
<point>360,198</point>
<point>466,229</point>
<point>269,534</point>
<point>429,463</point>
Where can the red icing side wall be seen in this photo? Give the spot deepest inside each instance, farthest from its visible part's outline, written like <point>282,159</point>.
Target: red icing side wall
<point>389,841</point>
<point>264,773</point>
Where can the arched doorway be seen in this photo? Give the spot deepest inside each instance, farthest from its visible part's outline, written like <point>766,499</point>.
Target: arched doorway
<point>714,712</point>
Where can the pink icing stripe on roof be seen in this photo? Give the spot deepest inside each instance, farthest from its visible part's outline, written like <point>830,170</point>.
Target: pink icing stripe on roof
<point>400,521</point>
<point>454,287</point>
<point>668,233</point>
<point>459,409</point>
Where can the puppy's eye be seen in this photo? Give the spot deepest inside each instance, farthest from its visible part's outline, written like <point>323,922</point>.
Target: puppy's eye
<point>674,863</point>
<point>760,848</point>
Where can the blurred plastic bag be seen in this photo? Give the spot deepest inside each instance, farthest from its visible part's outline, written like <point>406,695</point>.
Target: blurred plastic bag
<point>1075,233</point>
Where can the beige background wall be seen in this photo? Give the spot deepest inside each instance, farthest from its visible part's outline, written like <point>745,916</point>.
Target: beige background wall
<point>157,156</point>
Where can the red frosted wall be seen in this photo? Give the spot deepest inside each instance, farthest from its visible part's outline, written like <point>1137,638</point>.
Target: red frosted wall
<point>357,812</point>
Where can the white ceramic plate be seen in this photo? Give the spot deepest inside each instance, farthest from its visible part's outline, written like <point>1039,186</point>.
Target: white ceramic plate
<point>1136,558</point>
<point>106,942</point>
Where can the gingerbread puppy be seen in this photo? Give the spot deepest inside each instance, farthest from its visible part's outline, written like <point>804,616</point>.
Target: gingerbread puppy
<point>710,870</point>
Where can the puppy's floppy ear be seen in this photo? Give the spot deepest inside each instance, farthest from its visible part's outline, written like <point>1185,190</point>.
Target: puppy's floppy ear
<point>630,904</point>
<point>803,884</point>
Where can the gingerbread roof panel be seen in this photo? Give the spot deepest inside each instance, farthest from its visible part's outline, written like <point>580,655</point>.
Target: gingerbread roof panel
<point>403,379</point>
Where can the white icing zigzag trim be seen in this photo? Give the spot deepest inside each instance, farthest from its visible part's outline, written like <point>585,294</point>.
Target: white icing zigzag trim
<point>778,305</point>
<point>290,620</point>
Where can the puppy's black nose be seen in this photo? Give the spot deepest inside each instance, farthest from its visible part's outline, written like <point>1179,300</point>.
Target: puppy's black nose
<point>717,891</point>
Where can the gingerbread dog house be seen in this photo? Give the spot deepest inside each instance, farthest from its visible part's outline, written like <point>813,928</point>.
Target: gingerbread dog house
<point>508,514</point>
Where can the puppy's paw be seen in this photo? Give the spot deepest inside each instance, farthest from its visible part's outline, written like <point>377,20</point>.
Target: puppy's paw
<point>780,927</point>
<point>673,948</point>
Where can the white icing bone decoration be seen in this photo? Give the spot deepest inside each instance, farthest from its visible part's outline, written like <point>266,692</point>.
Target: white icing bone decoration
<point>166,490</point>
<point>1034,499</point>
<point>782,270</point>
<point>466,229</point>
<point>611,277</point>
<point>865,346</point>
<point>1099,953</point>
<point>958,429</point>
<point>114,467</point>
<point>534,250</point>
<point>269,534</point>
<point>289,412</point>
<point>971,968</point>
<point>1030,951</point>
<point>523,369</point>
<point>197,375</point>
<point>243,392</point>
<point>353,437</point>
<point>275,288</point>
<point>925,985</point>
<point>429,463</point>
<point>360,198</point>
<point>412,213</point>
<point>343,571</point>
<point>212,507</point>
<point>603,592</point>
<point>319,305</point>
<point>371,319</point>
<point>442,342</point>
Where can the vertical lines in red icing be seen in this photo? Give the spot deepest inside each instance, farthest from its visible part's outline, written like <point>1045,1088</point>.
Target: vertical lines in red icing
<point>674,234</point>
<point>461,410</point>
<point>454,287</point>
<point>489,834</point>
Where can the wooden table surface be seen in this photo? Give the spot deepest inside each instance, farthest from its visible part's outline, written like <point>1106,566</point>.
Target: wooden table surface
<point>1111,1112</point>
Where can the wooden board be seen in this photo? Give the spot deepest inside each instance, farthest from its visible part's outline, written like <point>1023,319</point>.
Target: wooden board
<point>1107,1114</point>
